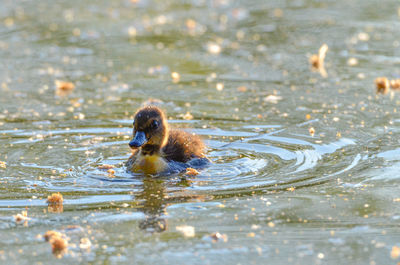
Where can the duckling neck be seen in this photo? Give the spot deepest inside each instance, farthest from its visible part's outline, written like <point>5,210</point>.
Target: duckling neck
<point>150,149</point>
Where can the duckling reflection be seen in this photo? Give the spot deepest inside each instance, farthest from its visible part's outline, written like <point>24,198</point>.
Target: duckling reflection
<point>155,200</point>
<point>153,195</point>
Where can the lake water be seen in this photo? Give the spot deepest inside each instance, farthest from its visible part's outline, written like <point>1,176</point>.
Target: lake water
<point>305,167</point>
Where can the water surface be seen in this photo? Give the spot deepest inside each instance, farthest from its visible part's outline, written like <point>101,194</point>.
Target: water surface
<point>279,194</point>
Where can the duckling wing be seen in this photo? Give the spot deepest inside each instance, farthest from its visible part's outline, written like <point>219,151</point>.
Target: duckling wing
<point>183,146</point>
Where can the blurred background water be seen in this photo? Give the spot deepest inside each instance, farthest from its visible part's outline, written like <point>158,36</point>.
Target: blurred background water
<point>305,168</point>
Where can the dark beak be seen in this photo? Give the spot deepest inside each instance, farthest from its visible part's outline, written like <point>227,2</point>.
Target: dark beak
<point>138,140</point>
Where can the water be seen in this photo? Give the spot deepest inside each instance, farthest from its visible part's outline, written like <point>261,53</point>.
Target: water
<point>279,194</point>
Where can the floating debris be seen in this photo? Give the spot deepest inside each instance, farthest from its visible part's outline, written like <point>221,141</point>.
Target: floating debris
<point>64,86</point>
<point>105,166</point>
<point>3,164</point>
<point>242,89</point>
<point>251,234</point>
<point>187,116</point>
<point>55,198</point>
<point>220,86</point>
<point>395,84</point>
<point>317,61</point>
<point>215,237</point>
<point>55,203</point>
<point>382,85</point>
<point>73,229</point>
<point>395,252</point>
<point>51,233</point>
<point>194,28</point>
<point>85,243</point>
<point>190,24</point>
<point>272,99</point>
<point>111,173</point>
<point>58,241</point>
<point>311,131</point>
<point>186,230</point>
<point>22,217</point>
<point>191,171</point>
<point>59,246</point>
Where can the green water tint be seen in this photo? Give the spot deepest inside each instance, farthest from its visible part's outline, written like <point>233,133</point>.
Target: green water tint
<point>279,194</point>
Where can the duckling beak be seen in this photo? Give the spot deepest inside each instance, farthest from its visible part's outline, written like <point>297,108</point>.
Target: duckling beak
<point>138,140</point>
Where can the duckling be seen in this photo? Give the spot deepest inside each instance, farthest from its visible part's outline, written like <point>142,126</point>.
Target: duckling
<point>157,149</point>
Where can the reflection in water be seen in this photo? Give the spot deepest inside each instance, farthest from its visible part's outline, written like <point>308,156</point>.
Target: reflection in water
<point>153,205</point>
<point>155,200</point>
<point>55,208</point>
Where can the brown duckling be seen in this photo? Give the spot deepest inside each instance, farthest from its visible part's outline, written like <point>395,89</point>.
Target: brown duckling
<point>157,149</point>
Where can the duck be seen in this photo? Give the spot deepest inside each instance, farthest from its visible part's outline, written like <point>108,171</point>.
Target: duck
<point>157,149</point>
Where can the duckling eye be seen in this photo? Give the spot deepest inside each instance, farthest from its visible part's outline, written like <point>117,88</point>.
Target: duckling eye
<point>154,124</point>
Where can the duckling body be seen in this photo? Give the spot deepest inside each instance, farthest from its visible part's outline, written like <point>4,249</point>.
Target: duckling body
<point>156,149</point>
<point>148,164</point>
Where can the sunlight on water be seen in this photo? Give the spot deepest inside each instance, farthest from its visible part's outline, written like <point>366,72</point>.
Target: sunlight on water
<point>304,168</point>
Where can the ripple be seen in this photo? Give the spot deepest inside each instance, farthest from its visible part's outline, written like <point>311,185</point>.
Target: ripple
<point>254,159</point>
<point>257,160</point>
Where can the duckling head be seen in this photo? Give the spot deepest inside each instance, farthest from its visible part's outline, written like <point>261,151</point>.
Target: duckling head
<point>150,130</point>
